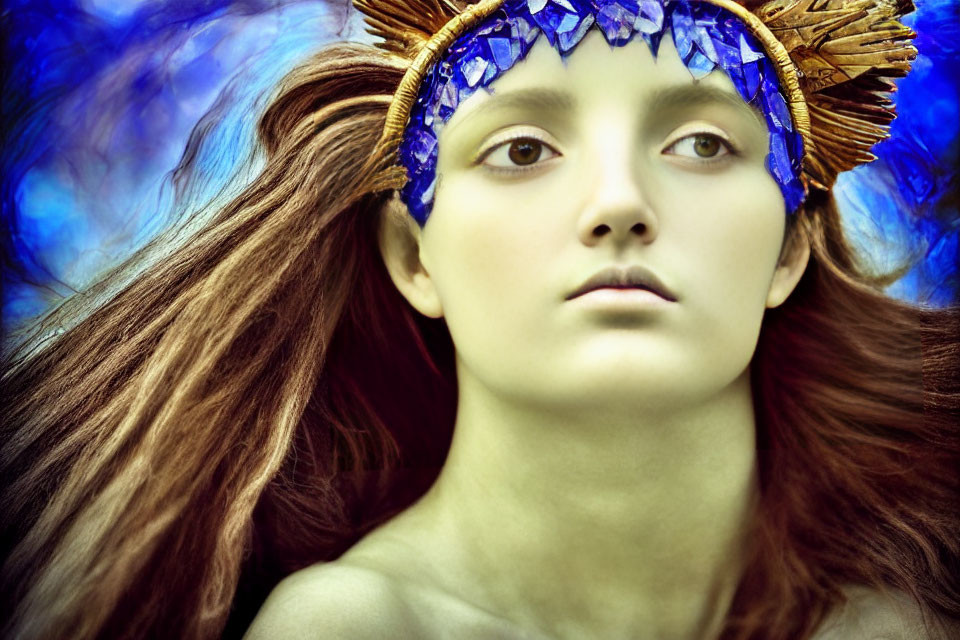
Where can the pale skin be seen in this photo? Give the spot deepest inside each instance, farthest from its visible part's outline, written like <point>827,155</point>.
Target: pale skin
<point>603,467</point>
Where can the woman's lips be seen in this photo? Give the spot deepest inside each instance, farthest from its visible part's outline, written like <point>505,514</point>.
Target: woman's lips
<point>622,298</point>
<point>625,278</point>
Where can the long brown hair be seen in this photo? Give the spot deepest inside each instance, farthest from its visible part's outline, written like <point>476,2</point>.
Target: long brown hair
<point>261,397</point>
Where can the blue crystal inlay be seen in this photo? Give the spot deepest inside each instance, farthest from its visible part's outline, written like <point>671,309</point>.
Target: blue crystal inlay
<point>553,15</point>
<point>727,56</point>
<point>682,28</point>
<point>704,43</point>
<point>700,66</point>
<point>504,52</point>
<point>571,33</point>
<point>650,19</point>
<point>706,36</point>
<point>781,159</point>
<point>616,21</point>
<point>747,53</point>
<point>776,105</point>
<point>751,76</point>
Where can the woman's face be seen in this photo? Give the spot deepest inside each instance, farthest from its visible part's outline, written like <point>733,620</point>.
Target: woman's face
<point>615,176</point>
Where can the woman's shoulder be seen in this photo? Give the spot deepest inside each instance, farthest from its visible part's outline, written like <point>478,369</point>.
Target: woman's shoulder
<point>890,615</point>
<point>340,600</point>
<point>345,599</point>
<point>334,600</point>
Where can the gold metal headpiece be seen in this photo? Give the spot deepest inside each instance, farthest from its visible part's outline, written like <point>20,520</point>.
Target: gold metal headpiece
<point>836,61</point>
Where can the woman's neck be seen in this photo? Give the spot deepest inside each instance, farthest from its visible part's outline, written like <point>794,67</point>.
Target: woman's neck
<point>609,523</point>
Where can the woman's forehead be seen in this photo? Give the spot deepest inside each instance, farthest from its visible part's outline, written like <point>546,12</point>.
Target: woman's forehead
<point>596,72</point>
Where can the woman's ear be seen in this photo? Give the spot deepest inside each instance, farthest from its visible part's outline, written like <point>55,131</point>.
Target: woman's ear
<point>793,262</point>
<point>399,240</point>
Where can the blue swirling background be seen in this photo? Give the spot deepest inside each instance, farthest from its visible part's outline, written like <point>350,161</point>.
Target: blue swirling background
<point>100,97</point>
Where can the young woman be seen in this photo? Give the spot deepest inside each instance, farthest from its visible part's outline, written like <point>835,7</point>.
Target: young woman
<point>605,367</point>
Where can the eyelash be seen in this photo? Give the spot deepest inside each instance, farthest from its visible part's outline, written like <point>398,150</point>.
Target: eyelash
<point>731,151</point>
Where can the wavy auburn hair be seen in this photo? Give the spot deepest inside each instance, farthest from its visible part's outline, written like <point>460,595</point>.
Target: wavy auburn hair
<point>263,396</point>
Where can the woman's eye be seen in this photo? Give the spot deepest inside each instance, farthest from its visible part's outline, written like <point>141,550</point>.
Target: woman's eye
<point>525,152</point>
<point>706,146</point>
<point>518,152</point>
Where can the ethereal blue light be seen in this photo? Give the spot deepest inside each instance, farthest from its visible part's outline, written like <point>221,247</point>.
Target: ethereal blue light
<point>102,95</point>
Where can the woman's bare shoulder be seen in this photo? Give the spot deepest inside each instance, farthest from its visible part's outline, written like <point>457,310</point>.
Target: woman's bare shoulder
<point>869,614</point>
<point>333,600</point>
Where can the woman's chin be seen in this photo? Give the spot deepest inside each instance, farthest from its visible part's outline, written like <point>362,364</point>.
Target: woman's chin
<point>619,389</point>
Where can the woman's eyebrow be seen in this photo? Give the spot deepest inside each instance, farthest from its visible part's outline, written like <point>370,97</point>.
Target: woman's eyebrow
<point>684,96</point>
<point>663,100</point>
<point>541,99</point>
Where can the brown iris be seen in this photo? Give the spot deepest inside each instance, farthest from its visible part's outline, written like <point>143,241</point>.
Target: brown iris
<point>706,146</point>
<point>525,151</point>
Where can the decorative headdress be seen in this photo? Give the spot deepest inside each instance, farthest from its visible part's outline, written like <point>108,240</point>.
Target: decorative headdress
<point>820,71</point>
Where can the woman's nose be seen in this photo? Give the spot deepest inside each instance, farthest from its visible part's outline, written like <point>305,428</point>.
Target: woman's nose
<point>618,209</point>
